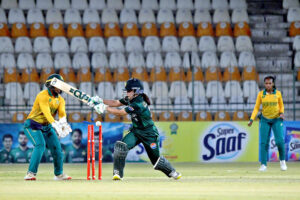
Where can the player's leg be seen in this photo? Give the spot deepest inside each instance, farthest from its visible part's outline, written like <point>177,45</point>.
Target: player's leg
<point>277,128</point>
<point>264,133</point>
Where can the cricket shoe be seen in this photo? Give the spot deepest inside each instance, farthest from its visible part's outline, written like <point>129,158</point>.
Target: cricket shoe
<point>262,168</point>
<point>30,177</point>
<point>175,175</point>
<point>283,165</point>
<point>62,177</point>
<point>117,177</point>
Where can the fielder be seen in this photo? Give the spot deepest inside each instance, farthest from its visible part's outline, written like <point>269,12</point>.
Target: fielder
<point>41,129</point>
<point>143,129</point>
<point>272,117</point>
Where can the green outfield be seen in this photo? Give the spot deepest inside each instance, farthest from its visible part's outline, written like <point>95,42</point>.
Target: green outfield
<point>199,181</point>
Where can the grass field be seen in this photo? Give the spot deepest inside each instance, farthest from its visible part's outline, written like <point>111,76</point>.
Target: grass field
<point>199,181</point>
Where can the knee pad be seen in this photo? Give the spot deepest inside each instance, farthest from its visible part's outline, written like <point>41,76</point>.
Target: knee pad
<point>120,153</point>
<point>162,164</point>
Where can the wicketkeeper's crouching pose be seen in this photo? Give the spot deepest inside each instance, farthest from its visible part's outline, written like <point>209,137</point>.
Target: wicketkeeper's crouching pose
<point>42,129</point>
<point>143,129</point>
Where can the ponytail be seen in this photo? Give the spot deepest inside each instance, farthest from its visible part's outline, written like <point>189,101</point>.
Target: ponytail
<point>146,98</point>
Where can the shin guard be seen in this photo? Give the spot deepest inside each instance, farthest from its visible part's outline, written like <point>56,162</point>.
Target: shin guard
<point>162,164</point>
<point>120,153</point>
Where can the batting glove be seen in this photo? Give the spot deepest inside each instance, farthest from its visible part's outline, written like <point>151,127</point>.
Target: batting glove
<point>94,101</point>
<point>100,108</point>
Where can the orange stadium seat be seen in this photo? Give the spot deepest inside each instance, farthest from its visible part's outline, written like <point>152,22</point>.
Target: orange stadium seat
<point>186,29</point>
<point>102,74</point>
<point>149,29</point>
<point>19,30</point>
<point>203,116</point>
<point>112,29</point>
<point>84,75</point>
<point>37,30</point>
<point>168,29</point>
<point>29,75</point>
<point>75,30</point>
<point>139,73</point>
<point>240,116</point>
<point>11,75</point>
<point>298,76</point>
<point>93,30</point>
<point>241,28</point>
<point>112,118</point>
<point>294,29</point>
<point>19,117</point>
<point>223,29</point>
<point>249,73</point>
<point>231,74</point>
<point>198,74</point>
<point>222,116</point>
<point>158,74</point>
<point>130,29</point>
<point>75,117</point>
<point>176,74</point>
<point>46,72</point>
<point>205,29</point>
<point>121,74</point>
<point>126,118</point>
<point>166,116</point>
<point>56,30</point>
<point>213,74</point>
<point>4,30</point>
<point>93,115</point>
<point>68,74</point>
<point>154,116</point>
<point>185,116</point>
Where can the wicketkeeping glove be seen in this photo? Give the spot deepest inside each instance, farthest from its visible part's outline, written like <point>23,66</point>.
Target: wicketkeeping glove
<point>57,126</point>
<point>100,108</point>
<point>94,101</point>
<point>66,128</point>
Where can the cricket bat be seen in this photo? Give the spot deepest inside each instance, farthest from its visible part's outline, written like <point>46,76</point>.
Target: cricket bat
<point>65,87</point>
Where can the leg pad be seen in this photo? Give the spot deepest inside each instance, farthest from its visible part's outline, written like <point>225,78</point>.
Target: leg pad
<point>162,164</point>
<point>120,153</point>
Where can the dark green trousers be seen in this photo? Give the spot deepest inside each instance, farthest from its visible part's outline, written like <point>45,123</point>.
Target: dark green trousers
<point>265,126</point>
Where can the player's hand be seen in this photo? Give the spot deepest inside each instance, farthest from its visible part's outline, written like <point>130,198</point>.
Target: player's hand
<point>250,123</point>
<point>100,108</point>
<point>58,128</point>
<point>281,116</point>
<point>66,128</point>
<point>94,101</point>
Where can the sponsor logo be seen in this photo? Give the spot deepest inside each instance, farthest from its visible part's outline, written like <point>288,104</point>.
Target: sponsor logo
<point>130,108</point>
<point>153,145</point>
<point>294,145</point>
<point>174,128</point>
<point>79,94</point>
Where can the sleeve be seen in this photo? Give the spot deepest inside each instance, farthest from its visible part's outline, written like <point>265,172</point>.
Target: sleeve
<point>280,103</point>
<point>256,107</point>
<point>133,108</point>
<point>62,108</point>
<point>45,108</point>
<point>123,101</point>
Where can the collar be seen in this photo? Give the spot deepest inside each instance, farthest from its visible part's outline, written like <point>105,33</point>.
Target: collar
<point>50,93</point>
<point>265,91</point>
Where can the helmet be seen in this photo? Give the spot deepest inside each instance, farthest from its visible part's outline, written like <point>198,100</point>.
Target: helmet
<point>134,84</point>
<point>49,79</point>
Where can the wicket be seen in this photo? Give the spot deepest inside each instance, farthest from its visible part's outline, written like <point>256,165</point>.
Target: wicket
<point>91,142</point>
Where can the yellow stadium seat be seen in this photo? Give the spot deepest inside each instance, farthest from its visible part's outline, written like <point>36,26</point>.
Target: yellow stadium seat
<point>29,75</point>
<point>112,29</point>
<point>222,116</point>
<point>158,74</point>
<point>186,29</point>
<point>185,116</point>
<point>223,29</point>
<point>203,116</point>
<point>168,29</point>
<point>139,73</point>
<point>11,74</point>
<point>240,116</point>
<point>205,29</point>
<point>198,75</point>
<point>176,74</point>
<point>149,29</point>
<point>84,75</point>
<point>93,30</point>
<point>213,74</point>
<point>166,116</point>
<point>121,74</point>
<point>46,72</point>
<point>130,29</point>
<point>75,117</point>
<point>37,30</point>
<point>68,74</point>
<point>75,30</point>
<point>4,32</point>
<point>19,30</point>
<point>231,74</point>
<point>19,117</point>
<point>56,30</point>
<point>241,28</point>
<point>249,73</point>
<point>103,74</point>
<point>112,118</point>
<point>294,29</point>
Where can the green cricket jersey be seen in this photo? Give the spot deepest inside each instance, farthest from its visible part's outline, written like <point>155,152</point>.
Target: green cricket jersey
<point>20,156</point>
<point>74,155</point>
<point>5,156</point>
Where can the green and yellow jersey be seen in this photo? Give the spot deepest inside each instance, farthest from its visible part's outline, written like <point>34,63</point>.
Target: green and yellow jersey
<point>20,156</point>
<point>5,156</point>
<point>272,104</point>
<point>46,106</point>
<point>75,155</point>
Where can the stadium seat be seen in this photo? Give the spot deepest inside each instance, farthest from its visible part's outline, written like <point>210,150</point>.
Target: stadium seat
<point>296,43</point>
<point>294,29</point>
<point>56,30</point>
<point>96,44</point>
<point>201,16</point>
<point>6,45</point>
<point>298,76</point>
<point>167,4</point>
<point>250,89</point>
<point>145,16</point>
<point>133,44</point>
<point>219,4</point>
<point>198,75</point>
<point>202,4</point>
<point>239,15</point>
<point>102,74</point>
<point>222,116</point>
<point>176,74</point>
<point>243,43</point>
<point>293,14</point>
<point>68,74</point>
<point>128,16</point>
<point>231,73</point>
<point>249,73</point>
<point>45,73</point>
<point>112,29</point>
<point>109,16</point>
<point>191,59</point>
<point>37,30</point>
<point>79,4</point>
<point>7,60</point>
<point>183,15</point>
<point>203,116</point>
<point>240,116</point>
<point>236,103</point>
<point>121,74</point>
<point>186,29</point>
<point>60,45</point>
<point>19,117</point>
<point>154,59</point>
<point>223,29</point>
<point>93,30</point>
<point>19,30</point>
<point>97,4</point>
<point>172,59</point>
<point>152,44</point>
<point>115,44</point>
<point>238,4</point>
<point>166,116</point>
<point>75,30</point>
<point>158,74</point>
<point>4,31</point>
<point>8,4</point>
<point>246,59</point>
<point>177,89</point>
<point>14,95</point>
<point>80,60</point>
<point>214,89</point>
<point>241,29</point>
<point>232,89</point>
<point>23,45</point>
<point>188,44</point>
<point>213,74</point>
<point>62,4</point>
<point>165,15</point>
<point>185,4</point>
<point>16,15</point>
<point>139,73</point>
<point>29,75</point>
<point>163,104</point>
<point>54,16</point>
<point>44,4</point>
<point>196,89</point>
<point>132,4</point>
<point>185,116</point>
<point>78,44</point>
<point>209,59</point>
<point>150,4</point>
<point>225,43</point>
<point>88,87</point>
<point>218,103</point>
<point>99,60</point>
<point>169,44</point>
<point>117,60</point>
<point>119,87</point>
<point>297,59</point>
<point>286,4</point>
<point>200,103</point>
<point>149,29</point>
<point>90,16</point>
<point>35,15</point>
<point>112,118</point>
<point>136,60</point>
<point>72,16</point>
<point>43,60</point>
<point>11,74</point>
<point>182,103</point>
<point>167,29</point>
<point>228,59</point>
<point>62,60</point>
<point>130,29</point>
<point>159,89</point>
<point>116,4</point>
<point>31,89</point>
<point>84,74</point>
<point>205,29</point>
<point>3,18</point>
<point>207,43</point>
<point>221,15</point>
<point>75,117</point>
<point>25,60</point>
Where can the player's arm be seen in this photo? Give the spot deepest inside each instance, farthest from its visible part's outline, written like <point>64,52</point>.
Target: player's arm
<point>281,106</point>
<point>116,111</point>
<point>112,103</point>
<point>256,109</point>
